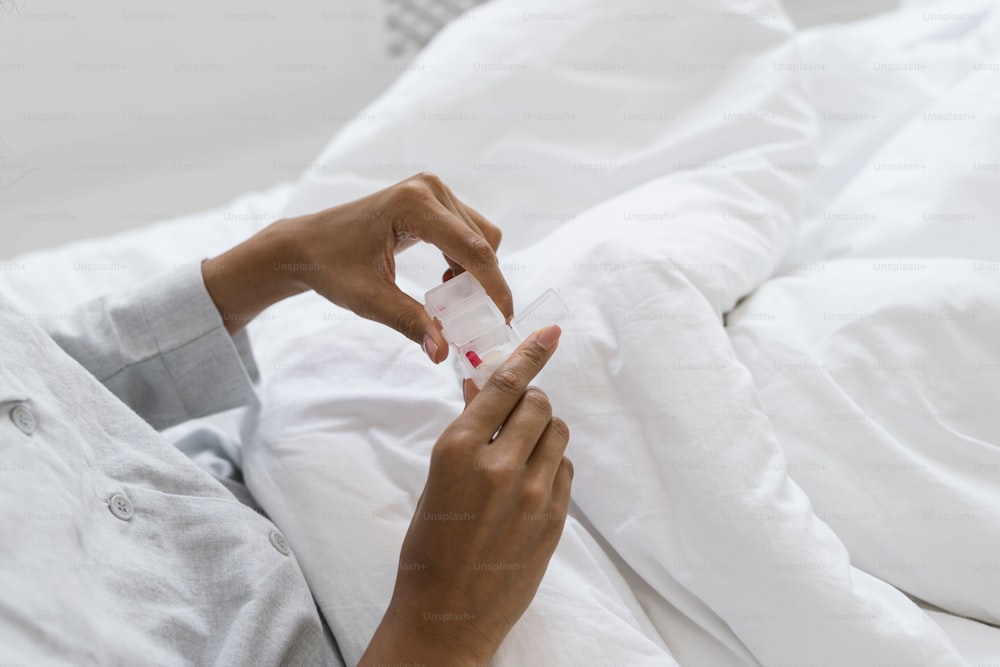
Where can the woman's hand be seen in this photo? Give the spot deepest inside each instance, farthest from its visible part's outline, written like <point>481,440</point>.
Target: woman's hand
<point>347,254</point>
<point>486,525</point>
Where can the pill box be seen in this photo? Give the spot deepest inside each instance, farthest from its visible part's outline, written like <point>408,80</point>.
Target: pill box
<point>475,328</point>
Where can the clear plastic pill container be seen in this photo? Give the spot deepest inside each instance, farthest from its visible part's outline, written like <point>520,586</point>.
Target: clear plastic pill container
<point>475,328</point>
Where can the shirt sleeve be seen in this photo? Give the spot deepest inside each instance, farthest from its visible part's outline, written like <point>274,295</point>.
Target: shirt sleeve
<point>162,348</point>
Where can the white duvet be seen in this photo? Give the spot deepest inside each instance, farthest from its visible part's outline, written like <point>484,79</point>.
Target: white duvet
<point>782,370</point>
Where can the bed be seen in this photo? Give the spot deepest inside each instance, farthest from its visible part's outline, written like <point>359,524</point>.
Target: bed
<point>782,368</point>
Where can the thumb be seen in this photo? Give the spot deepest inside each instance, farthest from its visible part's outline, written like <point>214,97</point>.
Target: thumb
<point>401,312</point>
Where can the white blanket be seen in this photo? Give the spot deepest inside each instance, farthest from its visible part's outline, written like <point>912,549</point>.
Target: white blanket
<point>758,493</point>
<point>655,178</point>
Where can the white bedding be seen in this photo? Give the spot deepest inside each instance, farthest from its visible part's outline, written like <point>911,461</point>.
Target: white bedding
<point>755,493</point>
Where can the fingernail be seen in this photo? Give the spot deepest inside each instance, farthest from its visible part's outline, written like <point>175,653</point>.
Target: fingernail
<point>548,336</point>
<point>431,348</point>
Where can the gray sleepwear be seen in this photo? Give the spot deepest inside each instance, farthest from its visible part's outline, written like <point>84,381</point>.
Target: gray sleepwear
<point>116,549</point>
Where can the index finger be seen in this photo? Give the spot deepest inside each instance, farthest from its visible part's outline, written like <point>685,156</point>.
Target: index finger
<point>469,249</point>
<point>487,412</point>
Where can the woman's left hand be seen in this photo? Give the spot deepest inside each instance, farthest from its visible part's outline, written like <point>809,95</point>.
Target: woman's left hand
<point>347,254</point>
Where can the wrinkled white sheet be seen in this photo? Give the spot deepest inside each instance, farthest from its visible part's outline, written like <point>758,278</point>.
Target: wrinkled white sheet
<point>691,539</point>
<point>744,495</point>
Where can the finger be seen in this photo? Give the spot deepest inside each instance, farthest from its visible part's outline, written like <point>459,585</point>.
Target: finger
<point>522,433</point>
<point>562,484</point>
<point>469,391</point>
<point>489,230</point>
<point>496,400</point>
<point>451,202</point>
<point>453,269</point>
<point>548,453</point>
<point>401,312</point>
<point>475,220</point>
<point>453,236</point>
<point>447,198</point>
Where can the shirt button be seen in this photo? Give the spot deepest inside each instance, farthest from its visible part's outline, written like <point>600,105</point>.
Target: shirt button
<point>23,418</point>
<point>121,507</point>
<point>279,543</point>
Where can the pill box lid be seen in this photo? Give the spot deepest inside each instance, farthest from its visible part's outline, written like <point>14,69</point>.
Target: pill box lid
<point>465,310</point>
<point>548,309</point>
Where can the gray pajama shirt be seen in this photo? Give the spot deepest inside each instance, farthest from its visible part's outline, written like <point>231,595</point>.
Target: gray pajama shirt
<point>115,549</point>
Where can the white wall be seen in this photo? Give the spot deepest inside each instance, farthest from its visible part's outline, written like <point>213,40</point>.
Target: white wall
<point>807,13</point>
<point>121,112</point>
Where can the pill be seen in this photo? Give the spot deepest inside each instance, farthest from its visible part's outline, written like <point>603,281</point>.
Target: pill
<point>473,359</point>
<point>494,356</point>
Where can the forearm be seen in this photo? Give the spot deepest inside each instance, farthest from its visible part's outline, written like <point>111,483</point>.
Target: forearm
<point>161,348</point>
<point>254,275</point>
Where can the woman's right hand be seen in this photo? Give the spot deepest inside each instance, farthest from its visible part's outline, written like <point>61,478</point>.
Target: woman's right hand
<point>486,525</point>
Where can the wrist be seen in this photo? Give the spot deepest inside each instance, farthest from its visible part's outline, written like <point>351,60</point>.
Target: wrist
<point>253,275</point>
<point>408,636</point>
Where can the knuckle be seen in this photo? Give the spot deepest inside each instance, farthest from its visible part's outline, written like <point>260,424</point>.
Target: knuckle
<point>481,251</point>
<point>537,400</point>
<point>534,355</point>
<point>410,207</point>
<point>416,197</point>
<point>412,188</point>
<point>456,438</point>
<point>429,179</point>
<point>535,494</point>
<point>446,446</point>
<point>560,428</point>
<point>492,233</point>
<point>444,455</point>
<point>407,323</point>
<point>506,382</point>
<point>498,472</point>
